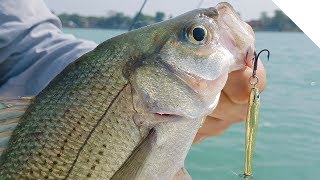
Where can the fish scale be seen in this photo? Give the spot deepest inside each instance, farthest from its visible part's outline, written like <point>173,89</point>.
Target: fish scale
<point>52,134</point>
<point>104,144</point>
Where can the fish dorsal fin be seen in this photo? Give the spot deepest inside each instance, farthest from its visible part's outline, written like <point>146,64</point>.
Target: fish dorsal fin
<point>11,109</point>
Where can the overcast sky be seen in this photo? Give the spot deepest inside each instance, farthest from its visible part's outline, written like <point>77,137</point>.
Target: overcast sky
<point>249,9</point>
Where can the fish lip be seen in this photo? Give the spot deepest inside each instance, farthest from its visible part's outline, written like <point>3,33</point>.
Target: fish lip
<point>208,99</point>
<point>186,77</point>
<point>177,71</point>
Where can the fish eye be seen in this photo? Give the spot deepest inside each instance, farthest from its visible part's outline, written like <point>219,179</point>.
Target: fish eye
<point>197,34</point>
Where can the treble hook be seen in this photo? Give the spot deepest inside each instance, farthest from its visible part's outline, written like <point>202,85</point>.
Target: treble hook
<point>255,59</point>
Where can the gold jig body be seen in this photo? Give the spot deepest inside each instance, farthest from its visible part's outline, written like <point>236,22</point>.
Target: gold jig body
<point>251,129</point>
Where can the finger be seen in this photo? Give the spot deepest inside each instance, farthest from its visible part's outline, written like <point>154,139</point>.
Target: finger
<point>228,110</point>
<point>234,97</point>
<point>238,87</point>
<point>225,114</point>
<point>211,127</point>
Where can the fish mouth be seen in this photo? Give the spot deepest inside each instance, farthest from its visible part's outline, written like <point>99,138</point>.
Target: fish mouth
<point>208,91</point>
<point>206,88</point>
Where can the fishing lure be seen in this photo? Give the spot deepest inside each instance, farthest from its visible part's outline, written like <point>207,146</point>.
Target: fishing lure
<point>252,117</point>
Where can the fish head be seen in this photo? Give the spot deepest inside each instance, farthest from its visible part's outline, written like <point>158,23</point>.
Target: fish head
<point>190,65</point>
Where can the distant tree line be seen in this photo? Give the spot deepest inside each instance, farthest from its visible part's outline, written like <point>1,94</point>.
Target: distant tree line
<point>279,22</point>
<point>117,20</point>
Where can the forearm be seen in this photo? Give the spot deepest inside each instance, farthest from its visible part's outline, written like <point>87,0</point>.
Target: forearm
<point>33,50</point>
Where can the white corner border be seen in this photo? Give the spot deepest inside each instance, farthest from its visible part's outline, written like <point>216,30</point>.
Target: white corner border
<point>305,14</point>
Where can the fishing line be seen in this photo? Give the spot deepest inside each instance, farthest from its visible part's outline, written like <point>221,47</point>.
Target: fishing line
<point>200,4</point>
<point>137,16</point>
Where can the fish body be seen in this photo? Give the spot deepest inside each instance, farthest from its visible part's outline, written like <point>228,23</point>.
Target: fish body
<point>130,108</point>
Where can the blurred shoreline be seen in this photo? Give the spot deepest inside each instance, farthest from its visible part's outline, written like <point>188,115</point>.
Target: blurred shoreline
<point>279,22</point>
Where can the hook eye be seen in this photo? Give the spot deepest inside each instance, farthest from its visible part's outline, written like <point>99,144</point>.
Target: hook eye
<point>253,80</point>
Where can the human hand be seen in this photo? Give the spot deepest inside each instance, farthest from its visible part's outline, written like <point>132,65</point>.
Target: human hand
<point>232,106</point>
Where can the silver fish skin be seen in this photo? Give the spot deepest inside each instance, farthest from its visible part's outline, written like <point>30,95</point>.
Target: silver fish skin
<point>129,109</point>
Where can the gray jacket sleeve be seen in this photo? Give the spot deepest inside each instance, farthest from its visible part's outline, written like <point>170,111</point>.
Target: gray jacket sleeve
<point>33,49</point>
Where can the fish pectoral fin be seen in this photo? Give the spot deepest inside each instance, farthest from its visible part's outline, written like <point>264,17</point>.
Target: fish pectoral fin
<point>182,174</point>
<point>133,167</point>
<point>10,112</point>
